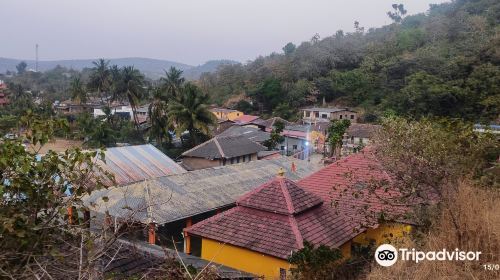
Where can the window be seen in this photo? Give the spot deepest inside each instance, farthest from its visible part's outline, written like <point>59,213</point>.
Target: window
<point>295,147</point>
<point>324,116</point>
<point>308,114</point>
<point>282,148</point>
<point>244,158</point>
<point>340,117</point>
<point>316,114</point>
<point>237,159</point>
<point>237,114</point>
<point>223,161</point>
<point>352,117</point>
<point>232,160</point>
<point>282,274</point>
<point>249,157</point>
<point>352,139</point>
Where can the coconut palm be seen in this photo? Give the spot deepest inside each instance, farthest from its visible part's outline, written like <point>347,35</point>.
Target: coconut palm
<point>132,86</point>
<point>189,112</point>
<point>172,82</point>
<point>115,74</point>
<point>78,92</point>
<point>158,117</point>
<point>100,79</point>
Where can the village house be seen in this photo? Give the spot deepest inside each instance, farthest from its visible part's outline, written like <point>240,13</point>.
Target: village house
<point>313,115</point>
<point>267,125</point>
<point>296,139</point>
<point>70,107</point>
<point>359,135</point>
<point>226,114</point>
<point>171,203</point>
<point>245,119</point>
<point>270,222</point>
<point>220,151</point>
<point>221,126</point>
<point>251,133</point>
<point>126,112</point>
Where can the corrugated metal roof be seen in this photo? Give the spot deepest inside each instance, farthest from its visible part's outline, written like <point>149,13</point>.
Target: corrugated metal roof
<point>170,198</point>
<point>132,164</point>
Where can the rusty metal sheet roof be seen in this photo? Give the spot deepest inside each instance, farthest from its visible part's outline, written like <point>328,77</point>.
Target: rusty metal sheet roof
<point>175,197</point>
<point>132,164</point>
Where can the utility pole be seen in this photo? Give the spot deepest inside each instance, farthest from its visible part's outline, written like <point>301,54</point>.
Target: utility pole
<point>36,58</point>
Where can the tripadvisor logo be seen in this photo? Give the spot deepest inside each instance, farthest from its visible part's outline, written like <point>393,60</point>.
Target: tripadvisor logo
<point>387,255</point>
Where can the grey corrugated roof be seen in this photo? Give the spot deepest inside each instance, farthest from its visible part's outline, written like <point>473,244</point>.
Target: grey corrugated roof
<point>224,147</point>
<point>170,198</point>
<point>251,133</point>
<point>136,163</point>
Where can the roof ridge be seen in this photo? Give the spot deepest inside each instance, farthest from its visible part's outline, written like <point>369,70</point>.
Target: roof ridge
<point>213,218</point>
<point>219,147</point>
<point>199,146</point>
<point>299,240</point>
<point>149,207</point>
<point>287,196</point>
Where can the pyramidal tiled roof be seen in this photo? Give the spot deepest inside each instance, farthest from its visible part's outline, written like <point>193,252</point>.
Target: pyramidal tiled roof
<point>281,196</point>
<point>275,219</point>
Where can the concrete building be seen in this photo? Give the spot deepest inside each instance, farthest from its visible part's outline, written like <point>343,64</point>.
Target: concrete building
<point>220,151</point>
<point>274,220</point>
<point>313,115</point>
<point>176,201</point>
<point>226,114</point>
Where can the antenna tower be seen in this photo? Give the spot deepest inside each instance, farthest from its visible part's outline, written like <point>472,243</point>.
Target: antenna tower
<point>36,58</point>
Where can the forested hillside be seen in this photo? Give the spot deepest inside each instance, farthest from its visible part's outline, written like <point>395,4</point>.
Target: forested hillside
<point>445,62</point>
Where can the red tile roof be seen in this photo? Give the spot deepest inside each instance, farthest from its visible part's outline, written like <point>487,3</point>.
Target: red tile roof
<point>275,219</point>
<point>280,196</point>
<point>349,183</point>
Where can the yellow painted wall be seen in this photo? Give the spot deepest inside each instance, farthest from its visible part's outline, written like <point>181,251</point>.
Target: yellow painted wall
<point>346,250</point>
<point>243,259</point>
<point>269,266</point>
<point>227,115</point>
<point>250,261</point>
<point>383,233</point>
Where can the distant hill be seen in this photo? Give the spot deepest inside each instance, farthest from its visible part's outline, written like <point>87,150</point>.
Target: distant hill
<point>194,73</point>
<point>152,68</point>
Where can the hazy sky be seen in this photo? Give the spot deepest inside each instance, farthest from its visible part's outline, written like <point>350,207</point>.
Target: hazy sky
<point>188,31</point>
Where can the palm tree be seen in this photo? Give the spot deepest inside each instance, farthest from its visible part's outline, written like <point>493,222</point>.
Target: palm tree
<point>158,117</point>
<point>100,79</point>
<point>132,85</point>
<point>115,78</point>
<point>172,82</point>
<point>78,92</point>
<point>189,112</point>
